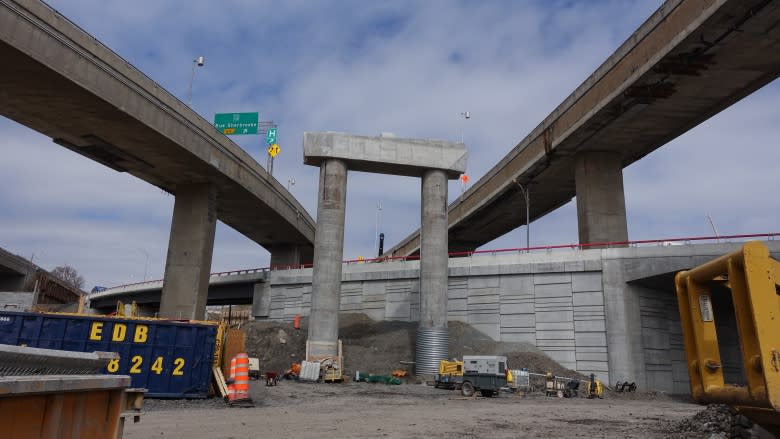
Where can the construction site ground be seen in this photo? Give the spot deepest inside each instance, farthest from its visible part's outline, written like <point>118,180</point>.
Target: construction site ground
<point>366,410</point>
<point>414,409</point>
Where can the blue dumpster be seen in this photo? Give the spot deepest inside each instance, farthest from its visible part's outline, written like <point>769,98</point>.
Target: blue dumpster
<point>170,359</point>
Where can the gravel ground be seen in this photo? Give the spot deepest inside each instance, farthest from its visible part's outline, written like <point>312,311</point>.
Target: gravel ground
<point>414,410</point>
<point>363,410</point>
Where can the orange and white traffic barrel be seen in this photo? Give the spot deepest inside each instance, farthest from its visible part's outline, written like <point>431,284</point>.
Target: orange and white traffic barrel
<point>241,380</point>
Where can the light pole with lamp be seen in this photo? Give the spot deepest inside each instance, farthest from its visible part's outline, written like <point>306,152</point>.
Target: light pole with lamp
<point>199,61</point>
<point>526,195</point>
<point>466,115</point>
<point>146,263</point>
<point>376,228</point>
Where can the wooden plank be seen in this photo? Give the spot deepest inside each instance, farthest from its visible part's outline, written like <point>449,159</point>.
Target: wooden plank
<point>234,344</point>
<point>220,380</point>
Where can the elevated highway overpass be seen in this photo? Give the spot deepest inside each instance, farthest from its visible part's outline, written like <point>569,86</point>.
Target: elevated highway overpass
<point>227,288</point>
<point>60,81</point>
<point>690,60</point>
<point>19,276</point>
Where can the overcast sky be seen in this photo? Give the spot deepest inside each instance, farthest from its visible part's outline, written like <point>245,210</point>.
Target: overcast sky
<point>406,67</point>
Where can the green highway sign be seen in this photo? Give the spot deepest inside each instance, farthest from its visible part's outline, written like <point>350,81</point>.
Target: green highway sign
<point>271,138</point>
<point>236,123</point>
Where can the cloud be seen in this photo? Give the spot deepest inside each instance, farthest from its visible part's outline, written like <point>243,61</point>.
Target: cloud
<point>404,67</point>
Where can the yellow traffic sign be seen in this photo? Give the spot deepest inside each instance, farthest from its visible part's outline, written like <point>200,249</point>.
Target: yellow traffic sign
<point>273,150</point>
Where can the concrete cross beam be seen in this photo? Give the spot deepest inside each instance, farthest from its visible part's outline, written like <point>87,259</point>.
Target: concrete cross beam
<point>385,155</point>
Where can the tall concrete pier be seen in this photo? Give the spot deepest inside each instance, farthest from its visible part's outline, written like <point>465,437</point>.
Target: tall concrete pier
<point>186,282</point>
<point>328,254</point>
<point>433,250</point>
<point>433,161</point>
<point>601,204</point>
<point>432,344</point>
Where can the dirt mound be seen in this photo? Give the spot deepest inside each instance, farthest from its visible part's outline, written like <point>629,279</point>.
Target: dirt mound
<point>715,421</point>
<point>376,347</point>
<point>275,343</point>
<point>379,347</point>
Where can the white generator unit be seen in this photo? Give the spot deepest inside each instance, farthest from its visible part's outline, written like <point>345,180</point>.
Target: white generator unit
<point>483,373</point>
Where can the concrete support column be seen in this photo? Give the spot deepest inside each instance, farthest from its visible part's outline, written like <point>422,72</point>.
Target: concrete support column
<point>328,254</point>
<point>261,300</point>
<point>285,256</point>
<point>186,281</point>
<point>433,250</point>
<point>601,204</point>
<point>432,342</point>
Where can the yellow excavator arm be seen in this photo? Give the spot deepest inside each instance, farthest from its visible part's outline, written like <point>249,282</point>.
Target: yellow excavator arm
<point>753,277</point>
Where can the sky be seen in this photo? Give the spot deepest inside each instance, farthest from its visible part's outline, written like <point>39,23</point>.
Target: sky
<point>405,67</point>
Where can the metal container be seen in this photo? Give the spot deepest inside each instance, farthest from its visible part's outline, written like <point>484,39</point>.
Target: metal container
<point>62,406</point>
<point>170,359</point>
<point>521,379</point>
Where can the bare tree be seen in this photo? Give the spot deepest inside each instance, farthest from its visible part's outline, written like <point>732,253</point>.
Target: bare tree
<point>69,275</point>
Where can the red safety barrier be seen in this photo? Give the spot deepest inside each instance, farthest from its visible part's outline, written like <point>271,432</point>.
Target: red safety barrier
<point>665,241</point>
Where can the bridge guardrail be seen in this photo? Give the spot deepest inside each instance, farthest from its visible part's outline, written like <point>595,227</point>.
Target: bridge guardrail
<point>549,248</point>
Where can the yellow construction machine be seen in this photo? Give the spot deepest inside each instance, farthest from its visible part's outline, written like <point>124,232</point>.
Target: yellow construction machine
<point>594,388</point>
<point>450,374</point>
<point>752,277</point>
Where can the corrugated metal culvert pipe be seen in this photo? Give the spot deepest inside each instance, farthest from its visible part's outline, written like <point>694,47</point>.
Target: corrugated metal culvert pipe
<point>432,347</point>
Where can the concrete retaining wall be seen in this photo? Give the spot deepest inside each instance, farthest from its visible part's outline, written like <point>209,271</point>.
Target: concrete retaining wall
<point>611,312</point>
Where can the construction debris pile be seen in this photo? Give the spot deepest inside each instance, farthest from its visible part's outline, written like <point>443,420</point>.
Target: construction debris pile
<point>381,347</point>
<point>715,421</point>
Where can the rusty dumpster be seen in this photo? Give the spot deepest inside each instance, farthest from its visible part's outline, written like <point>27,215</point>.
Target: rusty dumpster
<point>62,406</point>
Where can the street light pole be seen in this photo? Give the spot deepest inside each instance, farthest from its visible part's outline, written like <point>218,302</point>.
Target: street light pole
<point>466,115</point>
<point>526,195</point>
<point>714,229</point>
<point>376,228</point>
<point>199,61</point>
<point>146,263</point>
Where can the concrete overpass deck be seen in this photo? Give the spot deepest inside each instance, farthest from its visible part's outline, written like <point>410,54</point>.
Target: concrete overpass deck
<point>60,81</point>
<point>690,60</point>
